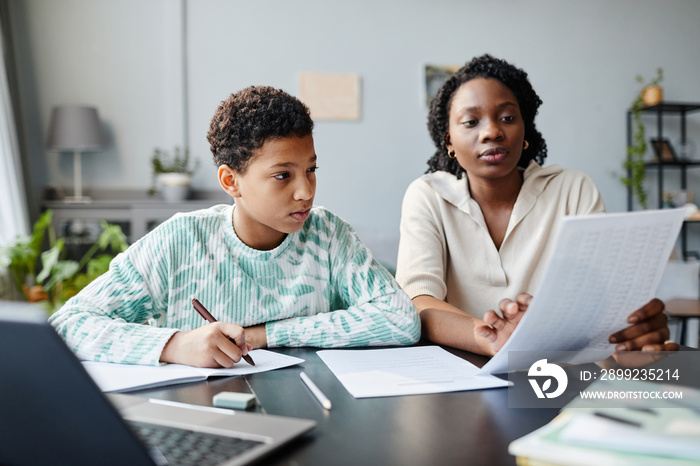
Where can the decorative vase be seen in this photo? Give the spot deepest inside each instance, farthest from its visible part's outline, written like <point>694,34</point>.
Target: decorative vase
<point>175,187</point>
<point>652,95</point>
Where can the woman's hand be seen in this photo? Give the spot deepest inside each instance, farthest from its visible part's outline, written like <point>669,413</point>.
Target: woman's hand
<point>493,336</point>
<point>648,332</point>
<point>208,346</point>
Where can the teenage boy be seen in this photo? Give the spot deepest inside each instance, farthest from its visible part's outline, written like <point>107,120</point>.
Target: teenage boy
<point>271,268</point>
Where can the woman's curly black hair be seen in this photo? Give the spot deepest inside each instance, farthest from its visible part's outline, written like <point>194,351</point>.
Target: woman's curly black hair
<point>515,79</point>
<point>248,118</point>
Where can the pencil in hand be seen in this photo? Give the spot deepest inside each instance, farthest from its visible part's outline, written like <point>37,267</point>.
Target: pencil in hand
<point>199,307</point>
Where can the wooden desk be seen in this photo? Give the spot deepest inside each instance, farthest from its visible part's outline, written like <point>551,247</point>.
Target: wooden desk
<point>458,428</point>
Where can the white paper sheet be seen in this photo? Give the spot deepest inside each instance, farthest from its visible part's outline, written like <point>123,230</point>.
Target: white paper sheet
<point>405,371</point>
<point>602,268</point>
<point>122,377</point>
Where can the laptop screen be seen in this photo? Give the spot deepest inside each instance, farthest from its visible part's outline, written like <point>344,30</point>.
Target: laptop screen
<point>51,411</point>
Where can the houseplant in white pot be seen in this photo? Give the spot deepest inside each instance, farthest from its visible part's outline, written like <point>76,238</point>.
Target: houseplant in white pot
<point>172,176</point>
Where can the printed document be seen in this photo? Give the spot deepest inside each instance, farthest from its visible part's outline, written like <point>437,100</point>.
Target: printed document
<point>602,268</point>
<point>123,377</point>
<point>405,371</point>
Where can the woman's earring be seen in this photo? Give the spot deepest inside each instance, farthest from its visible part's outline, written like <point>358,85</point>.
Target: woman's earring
<point>451,154</point>
<point>525,145</point>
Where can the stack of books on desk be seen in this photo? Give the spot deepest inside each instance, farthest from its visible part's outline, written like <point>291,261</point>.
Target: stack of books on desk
<point>636,433</point>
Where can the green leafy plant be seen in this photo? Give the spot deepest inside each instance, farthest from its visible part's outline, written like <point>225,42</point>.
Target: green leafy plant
<point>635,163</point>
<point>161,162</point>
<point>45,275</point>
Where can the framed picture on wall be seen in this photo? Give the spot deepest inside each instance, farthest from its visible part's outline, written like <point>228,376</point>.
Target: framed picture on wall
<point>435,76</point>
<point>664,150</point>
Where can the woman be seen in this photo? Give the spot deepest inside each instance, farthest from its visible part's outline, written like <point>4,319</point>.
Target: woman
<point>475,228</point>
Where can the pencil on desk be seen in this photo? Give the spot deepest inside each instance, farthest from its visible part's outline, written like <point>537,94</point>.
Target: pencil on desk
<point>325,402</point>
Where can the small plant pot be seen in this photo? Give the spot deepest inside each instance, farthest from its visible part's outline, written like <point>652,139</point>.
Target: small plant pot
<point>35,294</point>
<point>175,193</point>
<point>175,187</point>
<point>652,95</point>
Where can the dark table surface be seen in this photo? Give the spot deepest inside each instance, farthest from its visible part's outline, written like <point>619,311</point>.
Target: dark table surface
<point>469,427</point>
<point>456,428</point>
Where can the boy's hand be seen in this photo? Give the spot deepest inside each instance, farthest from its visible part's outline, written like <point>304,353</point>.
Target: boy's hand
<point>256,336</point>
<point>648,332</point>
<point>207,346</point>
<point>492,337</point>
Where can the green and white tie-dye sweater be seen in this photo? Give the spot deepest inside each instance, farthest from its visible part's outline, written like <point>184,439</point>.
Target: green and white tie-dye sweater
<point>320,288</point>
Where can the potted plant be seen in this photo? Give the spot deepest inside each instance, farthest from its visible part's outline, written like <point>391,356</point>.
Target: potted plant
<point>174,176</point>
<point>650,94</point>
<point>57,279</point>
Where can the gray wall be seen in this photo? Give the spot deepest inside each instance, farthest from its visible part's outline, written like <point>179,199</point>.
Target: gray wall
<point>125,58</point>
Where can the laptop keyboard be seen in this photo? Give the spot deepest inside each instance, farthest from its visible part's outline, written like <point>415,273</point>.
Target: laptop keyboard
<point>186,447</point>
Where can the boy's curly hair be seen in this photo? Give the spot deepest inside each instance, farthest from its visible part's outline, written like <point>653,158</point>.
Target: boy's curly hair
<point>248,118</point>
<point>515,79</point>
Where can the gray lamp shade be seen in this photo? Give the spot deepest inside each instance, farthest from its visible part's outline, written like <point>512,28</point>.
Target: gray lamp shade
<point>75,128</point>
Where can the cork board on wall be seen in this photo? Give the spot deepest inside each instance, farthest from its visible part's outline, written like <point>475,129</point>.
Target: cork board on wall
<point>331,96</point>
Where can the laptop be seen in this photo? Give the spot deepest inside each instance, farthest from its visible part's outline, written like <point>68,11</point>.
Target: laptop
<point>51,412</point>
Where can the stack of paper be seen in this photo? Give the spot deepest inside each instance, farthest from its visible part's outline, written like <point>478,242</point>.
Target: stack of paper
<point>637,432</point>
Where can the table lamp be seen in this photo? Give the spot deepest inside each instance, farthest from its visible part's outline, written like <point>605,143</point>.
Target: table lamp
<point>76,128</point>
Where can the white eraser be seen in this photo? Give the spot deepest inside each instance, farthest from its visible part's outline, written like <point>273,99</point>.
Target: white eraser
<point>234,400</point>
